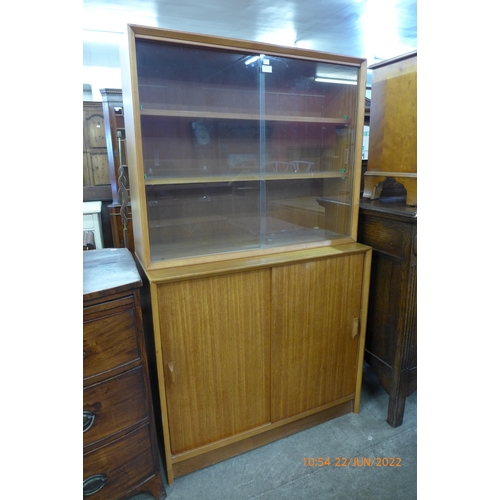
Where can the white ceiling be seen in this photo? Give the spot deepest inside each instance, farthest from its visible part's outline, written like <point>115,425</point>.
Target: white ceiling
<point>372,29</point>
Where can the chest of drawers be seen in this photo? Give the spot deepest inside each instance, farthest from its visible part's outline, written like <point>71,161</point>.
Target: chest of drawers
<point>120,450</point>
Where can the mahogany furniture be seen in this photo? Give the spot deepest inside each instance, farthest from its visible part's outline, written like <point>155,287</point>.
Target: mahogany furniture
<point>391,335</point>
<point>114,127</point>
<point>120,449</point>
<point>391,229</point>
<point>245,175</point>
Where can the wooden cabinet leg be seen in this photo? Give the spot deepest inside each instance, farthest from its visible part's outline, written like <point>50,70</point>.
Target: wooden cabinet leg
<point>396,410</point>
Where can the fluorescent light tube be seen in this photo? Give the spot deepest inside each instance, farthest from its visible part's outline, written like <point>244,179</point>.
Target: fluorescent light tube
<point>253,59</point>
<point>335,80</point>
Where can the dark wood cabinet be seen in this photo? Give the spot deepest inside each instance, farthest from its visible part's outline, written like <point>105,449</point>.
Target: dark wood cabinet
<point>95,166</point>
<point>391,332</point>
<point>120,448</point>
<point>114,125</point>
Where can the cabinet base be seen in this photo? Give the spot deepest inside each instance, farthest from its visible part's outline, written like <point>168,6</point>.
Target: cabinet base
<point>191,464</point>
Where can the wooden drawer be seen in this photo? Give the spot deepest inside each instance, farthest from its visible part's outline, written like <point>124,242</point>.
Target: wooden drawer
<point>385,235</point>
<point>119,466</point>
<point>109,342</point>
<point>113,405</point>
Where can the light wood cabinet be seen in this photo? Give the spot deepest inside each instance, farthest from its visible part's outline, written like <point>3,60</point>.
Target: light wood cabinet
<point>244,177</point>
<point>248,356</point>
<point>393,125</point>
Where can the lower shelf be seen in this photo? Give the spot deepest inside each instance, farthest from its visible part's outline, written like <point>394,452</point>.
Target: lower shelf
<point>243,236</point>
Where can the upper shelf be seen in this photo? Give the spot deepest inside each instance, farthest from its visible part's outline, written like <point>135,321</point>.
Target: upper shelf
<point>242,116</point>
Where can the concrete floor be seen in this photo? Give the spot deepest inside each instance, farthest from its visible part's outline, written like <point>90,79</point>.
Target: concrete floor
<point>277,472</point>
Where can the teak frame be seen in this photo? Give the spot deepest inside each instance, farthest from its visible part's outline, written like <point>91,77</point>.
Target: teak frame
<point>334,313</point>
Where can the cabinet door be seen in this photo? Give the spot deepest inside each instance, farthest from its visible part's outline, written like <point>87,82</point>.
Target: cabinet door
<point>215,337</point>
<point>95,155</point>
<point>315,337</point>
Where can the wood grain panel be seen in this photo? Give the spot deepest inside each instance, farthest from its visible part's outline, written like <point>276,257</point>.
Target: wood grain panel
<point>393,124</point>
<point>386,235</point>
<point>393,118</point>
<point>216,346</point>
<point>314,356</point>
<point>383,313</point>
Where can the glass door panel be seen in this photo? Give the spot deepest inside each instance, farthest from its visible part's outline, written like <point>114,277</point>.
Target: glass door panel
<point>243,151</point>
<point>310,151</point>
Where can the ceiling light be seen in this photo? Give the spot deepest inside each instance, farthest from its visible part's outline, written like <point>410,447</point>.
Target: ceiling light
<point>335,80</point>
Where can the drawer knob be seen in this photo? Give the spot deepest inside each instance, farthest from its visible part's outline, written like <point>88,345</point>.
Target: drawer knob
<point>88,420</point>
<point>93,484</point>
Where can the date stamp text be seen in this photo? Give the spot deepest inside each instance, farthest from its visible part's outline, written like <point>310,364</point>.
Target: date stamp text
<point>352,462</point>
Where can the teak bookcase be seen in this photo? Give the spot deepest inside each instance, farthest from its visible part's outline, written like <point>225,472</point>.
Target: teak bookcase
<point>244,176</point>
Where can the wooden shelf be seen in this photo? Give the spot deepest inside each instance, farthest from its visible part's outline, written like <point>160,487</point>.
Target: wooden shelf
<point>268,176</point>
<point>242,116</point>
<point>374,173</point>
<point>247,238</point>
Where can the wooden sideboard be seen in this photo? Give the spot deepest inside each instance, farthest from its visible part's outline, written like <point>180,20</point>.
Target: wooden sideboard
<point>120,449</point>
<point>391,332</point>
<point>255,354</point>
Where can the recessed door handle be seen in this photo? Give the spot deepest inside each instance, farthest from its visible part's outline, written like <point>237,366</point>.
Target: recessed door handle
<point>355,327</point>
<point>170,374</point>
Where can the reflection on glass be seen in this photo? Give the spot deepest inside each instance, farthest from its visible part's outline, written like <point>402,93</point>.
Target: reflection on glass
<point>243,151</point>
